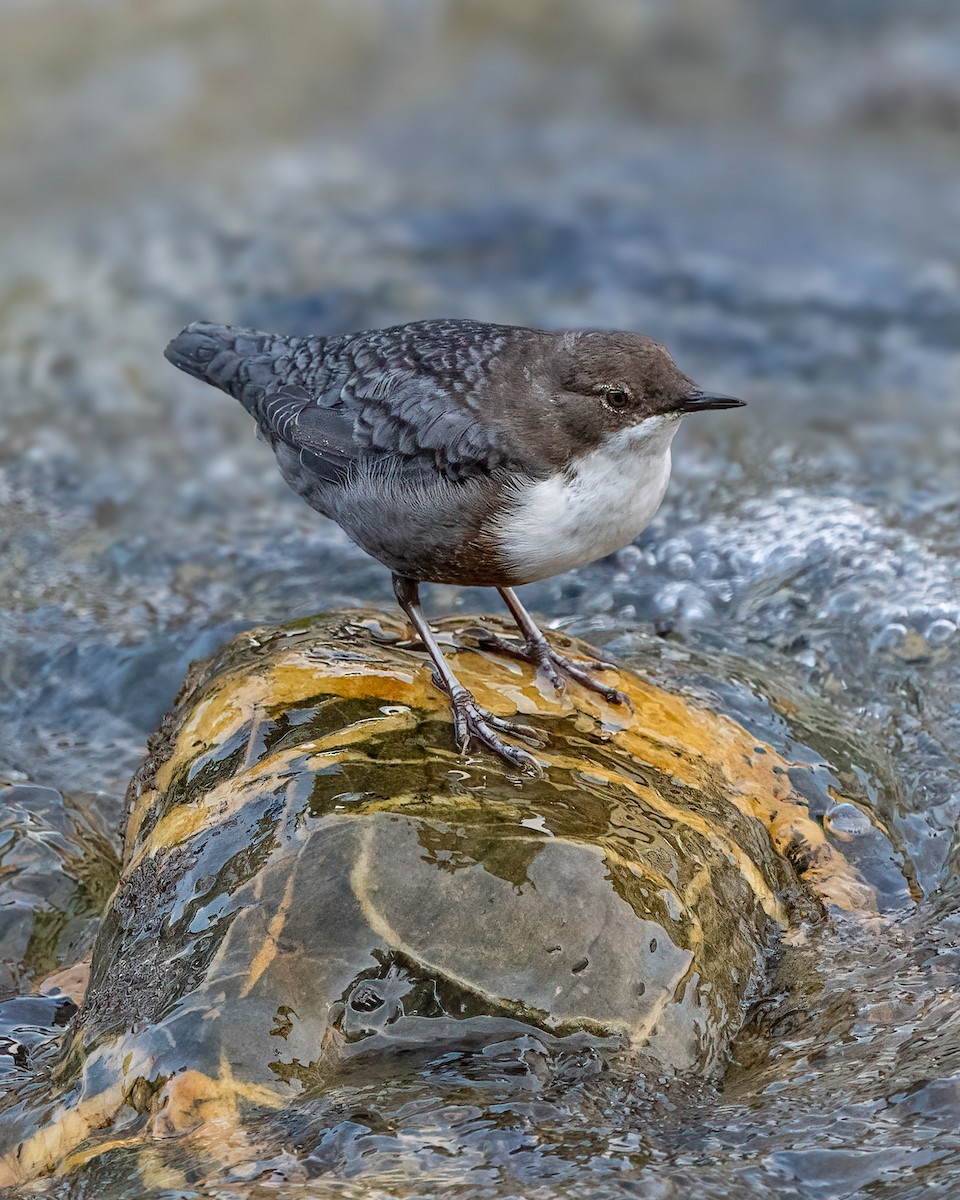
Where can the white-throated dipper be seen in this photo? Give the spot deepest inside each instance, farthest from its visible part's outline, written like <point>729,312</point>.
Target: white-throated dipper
<point>463,452</point>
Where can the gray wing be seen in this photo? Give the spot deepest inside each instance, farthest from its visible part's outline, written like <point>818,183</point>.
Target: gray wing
<point>412,395</point>
<point>323,436</point>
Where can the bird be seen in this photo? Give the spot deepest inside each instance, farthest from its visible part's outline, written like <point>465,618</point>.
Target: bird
<point>464,452</point>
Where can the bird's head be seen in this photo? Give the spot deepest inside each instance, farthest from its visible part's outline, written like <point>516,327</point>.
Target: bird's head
<point>594,385</point>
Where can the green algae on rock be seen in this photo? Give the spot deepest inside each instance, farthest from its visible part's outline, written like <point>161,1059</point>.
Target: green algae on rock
<point>312,874</point>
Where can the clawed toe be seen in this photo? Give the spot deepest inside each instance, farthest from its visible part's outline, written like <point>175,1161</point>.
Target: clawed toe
<point>581,672</point>
<point>501,645</point>
<point>514,728</point>
<point>474,726</point>
<point>556,666</point>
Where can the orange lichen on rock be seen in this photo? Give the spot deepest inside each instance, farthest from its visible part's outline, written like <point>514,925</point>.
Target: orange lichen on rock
<point>325,868</point>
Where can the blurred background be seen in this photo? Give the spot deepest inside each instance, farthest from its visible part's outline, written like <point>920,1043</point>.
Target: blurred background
<point>771,187</point>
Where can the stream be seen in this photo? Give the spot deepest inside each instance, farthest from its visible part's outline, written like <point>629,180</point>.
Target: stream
<point>772,191</point>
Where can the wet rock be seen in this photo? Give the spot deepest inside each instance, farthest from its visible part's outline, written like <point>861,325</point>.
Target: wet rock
<point>314,879</point>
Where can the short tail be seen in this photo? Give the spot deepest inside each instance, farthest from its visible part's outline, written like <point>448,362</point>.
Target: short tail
<point>242,362</point>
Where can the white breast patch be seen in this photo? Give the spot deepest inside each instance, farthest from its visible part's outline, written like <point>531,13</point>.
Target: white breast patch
<point>613,494</point>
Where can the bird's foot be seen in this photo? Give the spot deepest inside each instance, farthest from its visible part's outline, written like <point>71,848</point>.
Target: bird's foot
<point>474,726</point>
<point>556,666</point>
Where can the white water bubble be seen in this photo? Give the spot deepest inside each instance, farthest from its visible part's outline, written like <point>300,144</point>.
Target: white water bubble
<point>708,565</point>
<point>848,601</point>
<point>846,821</point>
<point>672,547</point>
<point>680,565</point>
<point>939,631</point>
<point>687,602</point>
<point>890,637</point>
<point>630,558</point>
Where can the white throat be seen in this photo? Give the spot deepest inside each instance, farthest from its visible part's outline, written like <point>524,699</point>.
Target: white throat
<point>598,507</point>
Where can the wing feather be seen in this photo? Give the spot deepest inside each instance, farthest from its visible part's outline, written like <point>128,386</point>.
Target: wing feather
<point>412,394</point>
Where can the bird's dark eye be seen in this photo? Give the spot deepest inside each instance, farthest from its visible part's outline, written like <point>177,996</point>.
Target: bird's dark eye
<point>616,398</point>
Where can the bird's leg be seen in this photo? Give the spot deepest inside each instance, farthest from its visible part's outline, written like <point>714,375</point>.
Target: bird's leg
<point>537,650</point>
<point>471,723</point>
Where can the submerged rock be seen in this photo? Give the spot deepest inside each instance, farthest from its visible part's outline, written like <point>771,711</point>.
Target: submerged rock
<point>313,876</point>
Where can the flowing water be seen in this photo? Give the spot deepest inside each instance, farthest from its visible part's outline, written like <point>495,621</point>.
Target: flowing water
<point>771,190</point>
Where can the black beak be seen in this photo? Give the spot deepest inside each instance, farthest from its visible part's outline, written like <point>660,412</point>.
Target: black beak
<point>698,401</point>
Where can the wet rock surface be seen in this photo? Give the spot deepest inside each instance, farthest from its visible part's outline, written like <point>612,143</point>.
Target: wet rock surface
<point>314,881</point>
